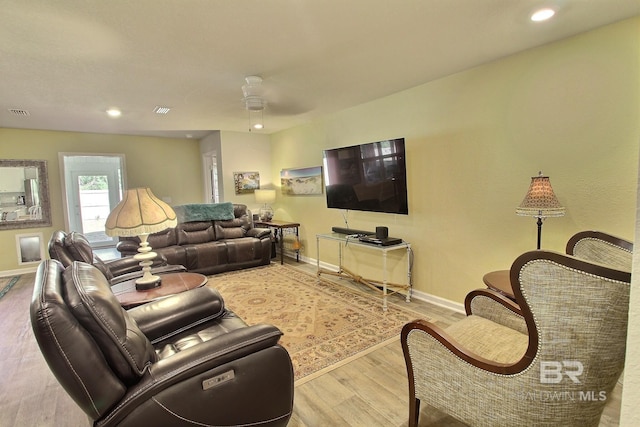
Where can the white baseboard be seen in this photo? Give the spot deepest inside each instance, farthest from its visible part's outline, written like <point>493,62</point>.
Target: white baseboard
<point>422,296</point>
<point>441,302</point>
<point>18,271</point>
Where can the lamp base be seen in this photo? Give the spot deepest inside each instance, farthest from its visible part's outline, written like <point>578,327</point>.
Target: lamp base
<point>266,213</point>
<point>146,256</point>
<point>143,284</point>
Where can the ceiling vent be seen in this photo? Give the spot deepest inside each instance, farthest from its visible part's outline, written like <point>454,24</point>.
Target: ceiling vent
<point>161,110</point>
<point>19,112</point>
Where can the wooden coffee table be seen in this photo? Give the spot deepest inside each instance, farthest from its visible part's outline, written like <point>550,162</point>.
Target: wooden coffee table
<point>172,283</point>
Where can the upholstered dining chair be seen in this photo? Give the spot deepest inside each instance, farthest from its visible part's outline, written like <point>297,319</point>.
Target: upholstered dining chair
<point>559,371</point>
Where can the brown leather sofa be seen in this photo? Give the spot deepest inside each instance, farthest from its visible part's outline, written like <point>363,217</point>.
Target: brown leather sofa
<point>74,246</point>
<point>210,247</point>
<point>184,360</point>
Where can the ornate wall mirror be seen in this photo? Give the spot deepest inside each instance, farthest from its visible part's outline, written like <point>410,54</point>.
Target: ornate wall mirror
<point>24,194</point>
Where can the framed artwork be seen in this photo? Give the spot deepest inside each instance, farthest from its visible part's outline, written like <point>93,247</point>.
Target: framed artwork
<point>304,181</point>
<point>246,182</point>
<point>30,248</point>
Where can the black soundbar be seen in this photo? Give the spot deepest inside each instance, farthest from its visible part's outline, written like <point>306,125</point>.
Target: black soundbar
<point>351,231</point>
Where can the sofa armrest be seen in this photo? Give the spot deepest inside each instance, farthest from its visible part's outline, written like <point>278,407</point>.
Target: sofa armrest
<point>259,233</point>
<point>226,347</point>
<point>217,374</point>
<point>187,309</point>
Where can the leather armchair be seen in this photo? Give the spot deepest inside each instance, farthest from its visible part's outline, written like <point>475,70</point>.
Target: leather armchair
<point>74,246</point>
<point>181,361</point>
<point>559,371</point>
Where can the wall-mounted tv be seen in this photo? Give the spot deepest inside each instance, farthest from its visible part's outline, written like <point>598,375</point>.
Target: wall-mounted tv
<point>367,177</point>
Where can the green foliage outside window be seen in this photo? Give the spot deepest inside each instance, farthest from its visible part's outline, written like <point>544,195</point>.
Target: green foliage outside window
<point>93,182</point>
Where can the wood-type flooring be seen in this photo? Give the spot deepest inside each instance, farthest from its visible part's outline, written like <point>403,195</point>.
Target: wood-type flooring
<point>369,391</point>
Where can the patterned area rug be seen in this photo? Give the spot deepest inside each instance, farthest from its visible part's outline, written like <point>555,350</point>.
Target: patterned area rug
<point>325,325</point>
<point>6,283</point>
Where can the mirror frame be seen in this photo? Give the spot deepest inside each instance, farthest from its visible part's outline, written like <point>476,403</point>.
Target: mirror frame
<point>43,190</point>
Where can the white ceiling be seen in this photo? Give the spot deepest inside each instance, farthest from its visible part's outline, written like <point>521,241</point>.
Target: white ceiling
<point>67,61</point>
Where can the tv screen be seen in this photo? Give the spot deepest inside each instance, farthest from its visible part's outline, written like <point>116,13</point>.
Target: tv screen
<point>367,177</point>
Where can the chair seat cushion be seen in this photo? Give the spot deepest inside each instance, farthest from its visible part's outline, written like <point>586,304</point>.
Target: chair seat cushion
<point>220,326</point>
<point>489,339</point>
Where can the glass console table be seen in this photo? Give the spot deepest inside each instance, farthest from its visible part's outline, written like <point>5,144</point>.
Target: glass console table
<point>383,286</point>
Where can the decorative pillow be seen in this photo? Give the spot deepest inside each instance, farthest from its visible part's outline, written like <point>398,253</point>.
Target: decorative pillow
<point>89,297</point>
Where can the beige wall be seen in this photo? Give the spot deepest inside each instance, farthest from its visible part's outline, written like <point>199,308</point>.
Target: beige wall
<point>158,163</point>
<point>245,152</point>
<point>629,414</point>
<point>474,139</point>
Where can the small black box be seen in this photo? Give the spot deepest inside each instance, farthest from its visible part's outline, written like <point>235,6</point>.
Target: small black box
<point>382,232</point>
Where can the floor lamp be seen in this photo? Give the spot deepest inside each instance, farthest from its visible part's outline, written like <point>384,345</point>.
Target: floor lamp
<point>540,202</point>
<point>140,213</point>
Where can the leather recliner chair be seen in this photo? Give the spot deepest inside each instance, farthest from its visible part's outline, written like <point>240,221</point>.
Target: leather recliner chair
<point>74,246</point>
<point>183,360</point>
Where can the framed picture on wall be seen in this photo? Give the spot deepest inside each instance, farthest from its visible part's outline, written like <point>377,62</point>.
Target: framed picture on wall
<point>246,182</point>
<point>30,248</point>
<point>304,181</point>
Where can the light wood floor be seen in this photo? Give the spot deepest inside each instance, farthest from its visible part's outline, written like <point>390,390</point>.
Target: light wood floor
<point>369,391</point>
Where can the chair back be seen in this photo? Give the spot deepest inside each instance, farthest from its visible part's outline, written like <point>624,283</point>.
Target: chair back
<point>576,314</point>
<point>89,341</point>
<point>74,246</point>
<point>602,248</point>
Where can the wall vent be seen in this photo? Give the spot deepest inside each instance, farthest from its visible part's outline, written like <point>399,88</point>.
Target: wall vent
<point>19,112</point>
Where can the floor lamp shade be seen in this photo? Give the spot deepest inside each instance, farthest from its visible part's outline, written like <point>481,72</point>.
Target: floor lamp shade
<point>141,213</point>
<point>540,202</point>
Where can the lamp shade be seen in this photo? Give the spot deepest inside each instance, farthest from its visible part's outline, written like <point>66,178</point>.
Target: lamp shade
<point>265,196</point>
<point>139,212</point>
<point>540,201</point>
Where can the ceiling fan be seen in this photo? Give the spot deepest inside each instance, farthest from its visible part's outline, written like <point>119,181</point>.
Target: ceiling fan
<point>255,101</point>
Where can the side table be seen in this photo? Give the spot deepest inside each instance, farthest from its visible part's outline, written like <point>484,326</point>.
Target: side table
<point>501,282</point>
<point>172,283</point>
<point>279,226</point>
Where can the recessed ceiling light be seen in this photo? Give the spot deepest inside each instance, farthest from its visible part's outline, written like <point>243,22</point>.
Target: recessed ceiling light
<point>114,112</point>
<point>542,14</point>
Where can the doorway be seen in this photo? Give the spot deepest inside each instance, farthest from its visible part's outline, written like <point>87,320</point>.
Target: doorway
<point>212,187</point>
<point>93,185</point>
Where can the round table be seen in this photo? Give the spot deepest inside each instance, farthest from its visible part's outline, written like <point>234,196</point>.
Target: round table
<point>172,283</point>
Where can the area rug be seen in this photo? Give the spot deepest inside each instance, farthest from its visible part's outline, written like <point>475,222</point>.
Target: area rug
<point>325,325</point>
<point>6,283</point>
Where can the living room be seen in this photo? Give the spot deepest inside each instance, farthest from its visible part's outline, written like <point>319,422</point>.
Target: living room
<point>474,139</point>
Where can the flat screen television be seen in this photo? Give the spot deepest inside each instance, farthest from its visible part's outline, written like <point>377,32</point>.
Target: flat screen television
<point>367,177</point>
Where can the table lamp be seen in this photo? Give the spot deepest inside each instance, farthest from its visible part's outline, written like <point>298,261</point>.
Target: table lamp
<point>540,202</point>
<point>140,213</point>
<point>265,197</point>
